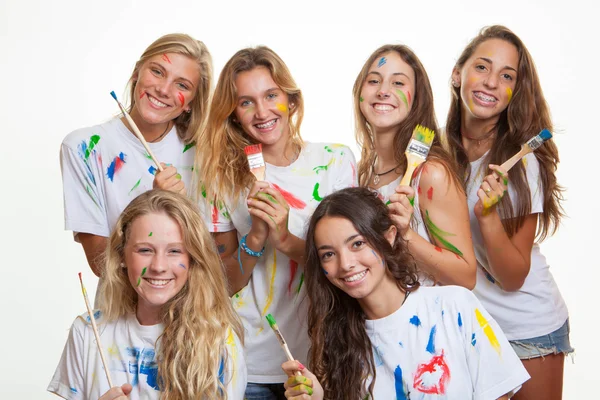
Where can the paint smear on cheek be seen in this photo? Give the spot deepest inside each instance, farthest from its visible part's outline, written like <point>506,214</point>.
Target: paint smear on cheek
<point>142,95</point>
<point>509,93</point>
<point>181,98</point>
<point>140,278</point>
<point>408,95</point>
<point>150,234</point>
<point>361,99</point>
<point>182,266</point>
<point>471,105</point>
<point>281,107</point>
<point>402,97</point>
<point>166,58</point>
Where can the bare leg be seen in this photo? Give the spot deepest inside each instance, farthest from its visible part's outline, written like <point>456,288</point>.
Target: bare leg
<point>546,378</point>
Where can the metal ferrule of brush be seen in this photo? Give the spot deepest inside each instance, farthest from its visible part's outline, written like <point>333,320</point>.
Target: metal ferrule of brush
<point>417,147</point>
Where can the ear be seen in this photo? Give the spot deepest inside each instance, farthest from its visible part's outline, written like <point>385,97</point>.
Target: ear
<point>390,234</point>
<point>456,77</point>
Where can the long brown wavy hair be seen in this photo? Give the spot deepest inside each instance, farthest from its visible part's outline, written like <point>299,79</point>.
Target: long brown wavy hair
<point>197,319</point>
<point>220,158</point>
<point>422,112</point>
<point>341,354</point>
<point>526,115</point>
<point>187,123</point>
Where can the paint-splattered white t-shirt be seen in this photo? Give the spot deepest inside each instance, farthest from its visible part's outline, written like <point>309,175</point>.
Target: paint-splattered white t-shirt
<point>275,286</point>
<point>442,344</point>
<point>130,351</point>
<point>537,308</point>
<point>104,167</point>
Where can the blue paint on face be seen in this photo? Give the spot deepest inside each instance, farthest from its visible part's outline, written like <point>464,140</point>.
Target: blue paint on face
<point>415,321</point>
<point>324,271</point>
<point>459,321</point>
<point>398,384</point>
<point>182,266</point>
<point>143,363</point>
<point>97,315</point>
<point>381,62</point>
<point>431,344</point>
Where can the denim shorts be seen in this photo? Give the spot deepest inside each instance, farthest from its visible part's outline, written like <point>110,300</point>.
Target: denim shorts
<point>264,391</point>
<point>553,343</point>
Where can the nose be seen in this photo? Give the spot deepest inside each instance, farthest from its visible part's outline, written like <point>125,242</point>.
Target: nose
<point>491,81</point>
<point>260,111</point>
<point>162,87</point>
<point>159,263</point>
<point>347,262</point>
<point>384,91</point>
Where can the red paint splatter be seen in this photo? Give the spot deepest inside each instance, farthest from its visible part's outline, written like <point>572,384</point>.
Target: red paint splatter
<point>408,95</point>
<point>215,217</point>
<point>438,248</point>
<point>181,98</point>
<point>430,193</point>
<point>436,365</point>
<point>164,57</point>
<point>419,189</point>
<point>293,268</point>
<point>457,256</point>
<point>142,95</point>
<point>292,200</point>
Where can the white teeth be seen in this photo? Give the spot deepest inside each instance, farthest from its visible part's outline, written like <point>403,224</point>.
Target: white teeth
<point>383,107</point>
<point>266,125</point>
<point>157,282</point>
<point>156,102</point>
<point>356,277</point>
<point>484,97</point>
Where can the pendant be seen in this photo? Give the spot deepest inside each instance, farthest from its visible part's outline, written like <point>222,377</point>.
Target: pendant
<point>376,179</point>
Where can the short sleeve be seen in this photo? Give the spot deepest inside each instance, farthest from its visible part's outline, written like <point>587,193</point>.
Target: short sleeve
<point>532,169</point>
<point>494,367</point>
<point>216,216</point>
<point>237,374</point>
<point>68,381</point>
<point>346,172</point>
<point>85,210</point>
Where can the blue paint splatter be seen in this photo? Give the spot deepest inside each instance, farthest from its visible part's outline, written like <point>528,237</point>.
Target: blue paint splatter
<point>488,276</point>
<point>143,363</point>
<point>182,266</point>
<point>443,313</point>
<point>152,170</point>
<point>97,315</point>
<point>400,395</point>
<point>326,273</point>
<point>401,345</point>
<point>221,371</point>
<point>459,321</point>
<point>431,345</point>
<point>378,355</point>
<point>382,61</point>
<point>415,321</point>
<point>73,390</point>
<point>114,166</point>
<point>473,340</point>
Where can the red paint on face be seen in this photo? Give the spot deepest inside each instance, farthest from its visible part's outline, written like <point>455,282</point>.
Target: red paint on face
<point>436,364</point>
<point>142,95</point>
<point>430,193</point>
<point>292,200</point>
<point>437,248</point>
<point>457,256</point>
<point>294,268</point>
<point>181,98</point>
<point>408,95</point>
<point>166,58</point>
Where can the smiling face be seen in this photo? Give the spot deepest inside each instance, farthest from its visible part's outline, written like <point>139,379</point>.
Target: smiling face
<point>387,92</point>
<point>262,107</point>
<point>157,262</point>
<point>349,262</point>
<point>487,80</point>
<point>165,86</point>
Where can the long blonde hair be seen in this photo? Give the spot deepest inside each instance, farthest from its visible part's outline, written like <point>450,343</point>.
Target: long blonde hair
<point>220,158</point>
<point>196,319</point>
<point>187,123</point>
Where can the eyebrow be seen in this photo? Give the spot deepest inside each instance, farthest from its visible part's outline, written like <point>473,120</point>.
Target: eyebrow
<point>395,74</point>
<point>180,78</point>
<point>349,239</point>
<point>274,89</point>
<point>490,62</point>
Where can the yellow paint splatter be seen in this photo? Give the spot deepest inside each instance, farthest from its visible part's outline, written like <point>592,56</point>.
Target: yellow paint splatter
<point>237,301</point>
<point>471,105</point>
<point>509,93</point>
<point>271,284</point>
<point>281,107</point>
<point>113,350</point>
<point>232,348</point>
<point>524,161</point>
<point>487,329</point>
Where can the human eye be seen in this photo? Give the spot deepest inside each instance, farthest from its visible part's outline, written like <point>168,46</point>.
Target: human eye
<point>245,103</point>
<point>326,255</point>
<point>373,81</point>
<point>357,244</point>
<point>144,250</point>
<point>480,67</point>
<point>156,71</point>
<point>182,86</point>
<point>399,83</point>
<point>175,251</point>
<point>508,77</point>
<point>272,96</point>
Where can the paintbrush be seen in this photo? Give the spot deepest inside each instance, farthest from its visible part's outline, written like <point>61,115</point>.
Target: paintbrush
<point>136,131</point>
<point>416,151</point>
<point>282,342</point>
<point>529,147</point>
<point>256,161</point>
<point>96,334</point>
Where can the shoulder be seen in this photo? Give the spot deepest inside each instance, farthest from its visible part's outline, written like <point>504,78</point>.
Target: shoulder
<point>327,148</point>
<point>89,135</point>
<point>531,164</point>
<point>448,294</point>
<point>435,175</point>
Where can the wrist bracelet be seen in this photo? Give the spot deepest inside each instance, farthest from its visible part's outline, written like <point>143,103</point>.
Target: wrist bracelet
<point>248,250</point>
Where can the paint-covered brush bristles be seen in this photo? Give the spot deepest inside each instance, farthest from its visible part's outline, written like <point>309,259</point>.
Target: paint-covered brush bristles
<point>136,131</point>
<point>532,144</point>
<point>95,329</point>
<point>284,346</point>
<point>417,150</point>
<point>256,162</point>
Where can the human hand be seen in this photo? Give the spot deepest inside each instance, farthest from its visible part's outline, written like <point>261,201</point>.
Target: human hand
<point>269,205</point>
<point>401,208</point>
<point>168,179</point>
<point>118,393</point>
<point>492,190</point>
<point>301,387</point>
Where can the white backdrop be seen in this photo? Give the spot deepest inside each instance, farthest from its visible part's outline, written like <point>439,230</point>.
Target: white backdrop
<point>61,59</point>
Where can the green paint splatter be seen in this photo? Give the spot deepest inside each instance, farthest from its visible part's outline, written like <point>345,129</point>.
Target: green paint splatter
<point>178,176</point>
<point>226,214</point>
<point>329,149</point>
<point>320,168</point>
<point>148,156</point>
<point>315,192</point>
<point>440,235</point>
<point>361,99</point>
<point>144,271</point>
<point>411,200</point>
<point>268,197</point>
<point>188,146</point>
<point>93,142</point>
<point>309,390</point>
<point>136,185</point>
<point>402,96</point>
<point>388,203</point>
<point>139,281</point>
<point>150,234</point>
<point>301,282</point>
<point>93,197</point>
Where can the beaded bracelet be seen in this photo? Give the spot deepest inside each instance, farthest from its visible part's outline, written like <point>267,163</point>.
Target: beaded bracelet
<point>248,250</point>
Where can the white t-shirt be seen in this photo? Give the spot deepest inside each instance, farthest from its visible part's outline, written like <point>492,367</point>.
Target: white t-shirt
<point>129,349</point>
<point>105,166</point>
<point>538,307</point>
<point>442,344</point>
<point>275,286</point>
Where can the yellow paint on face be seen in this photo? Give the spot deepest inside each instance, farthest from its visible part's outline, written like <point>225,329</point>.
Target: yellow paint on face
<point>471,105</point>
<point>281,107</point>
<point>487,330</point>
<point>509,93</point>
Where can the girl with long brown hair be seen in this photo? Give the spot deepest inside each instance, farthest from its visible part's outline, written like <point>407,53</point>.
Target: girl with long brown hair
<point>498,105</point>
<point>392,94</point>
<point>166,323</point>
<point>375,332</point>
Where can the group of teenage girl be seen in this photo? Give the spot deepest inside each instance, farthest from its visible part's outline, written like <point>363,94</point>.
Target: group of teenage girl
<point>434,290</point>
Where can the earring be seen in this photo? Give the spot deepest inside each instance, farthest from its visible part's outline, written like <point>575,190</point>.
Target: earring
<point>292,105</point>
<point>455,84</point>
<point>122,265</point>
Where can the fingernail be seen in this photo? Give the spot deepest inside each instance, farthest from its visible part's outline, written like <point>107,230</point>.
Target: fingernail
<point>300,366</point>
<point>168,165</point>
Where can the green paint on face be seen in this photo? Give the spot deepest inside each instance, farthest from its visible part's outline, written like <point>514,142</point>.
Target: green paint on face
<point>150,234</point>
<point>440,235</point>
<point>402,97</point>
<point>315,192</point>
<point>144,271</point>
<point>268,197</point>
<point>301,282</point>
<point>136,185</point>
<point>188,146</point>
<point>271,320</point>
<point>411,200</point>
<point>93,142</point>
<point>139,281</point>
<point>361,99</point>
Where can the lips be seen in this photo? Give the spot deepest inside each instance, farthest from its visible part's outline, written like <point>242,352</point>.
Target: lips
<point>158,282</point>
<point>484,97</point>
<point>266,125</point>
<point>156,103</point>
<point>383,107</point>
<point>355,277</point>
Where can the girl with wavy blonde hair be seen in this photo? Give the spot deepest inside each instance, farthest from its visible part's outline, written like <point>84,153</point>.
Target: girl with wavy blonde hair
<point>259,224</point>
<point>168,328</point>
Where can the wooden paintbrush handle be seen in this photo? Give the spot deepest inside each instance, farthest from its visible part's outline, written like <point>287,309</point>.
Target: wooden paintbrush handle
<point>141,138</point>
<point>508,164</point>
<point>412,162</point>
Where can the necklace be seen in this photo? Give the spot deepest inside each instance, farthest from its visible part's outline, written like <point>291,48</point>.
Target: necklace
<point>376,177</point>
<point>479,140</point>
<point>162,134</point>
